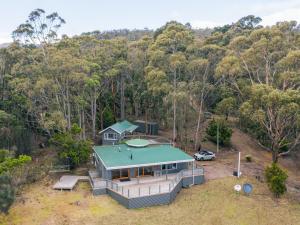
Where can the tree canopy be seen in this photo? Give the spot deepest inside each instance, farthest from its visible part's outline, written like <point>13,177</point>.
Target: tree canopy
<point>172,75</point>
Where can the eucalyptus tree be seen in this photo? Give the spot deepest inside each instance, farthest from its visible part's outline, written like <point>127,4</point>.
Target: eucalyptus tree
<point>198,68</point>
<point>168,61</point>
<point>39,29</point>
<point>278,112</point>
<point>263,68</point>
<point>138,60</point>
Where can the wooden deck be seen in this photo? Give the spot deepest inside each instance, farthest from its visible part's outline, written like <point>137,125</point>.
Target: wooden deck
<point>68,182</point>
<point>147,186</point>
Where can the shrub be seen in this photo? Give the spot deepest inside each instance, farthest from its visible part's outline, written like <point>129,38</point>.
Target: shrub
<point>7,193</point>
<point>276,178</point>
<point>225,132</point>
<point>248,158</point>
<point>72,149</point>
<point>11,163</point>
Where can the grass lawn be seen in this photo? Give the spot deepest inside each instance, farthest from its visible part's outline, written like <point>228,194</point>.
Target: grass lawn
<point>212,203</point>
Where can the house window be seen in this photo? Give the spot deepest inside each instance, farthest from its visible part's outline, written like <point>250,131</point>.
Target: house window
<point>110,136</point>
<point>172,166</point>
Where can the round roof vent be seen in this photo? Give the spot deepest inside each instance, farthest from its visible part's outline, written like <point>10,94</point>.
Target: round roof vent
<point>138,143</point>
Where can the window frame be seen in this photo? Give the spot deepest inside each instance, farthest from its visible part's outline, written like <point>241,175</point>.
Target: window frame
<point>169,166</point>
<point>106,136</point>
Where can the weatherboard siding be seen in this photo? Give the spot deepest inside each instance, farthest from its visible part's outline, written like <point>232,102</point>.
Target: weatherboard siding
<point>110,142</point>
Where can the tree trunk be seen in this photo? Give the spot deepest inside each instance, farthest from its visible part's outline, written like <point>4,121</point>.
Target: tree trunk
<point>94,112</point>
<point>174,107</point>
<point>122,103</point>
<point>80,120</point>
<point>83,125</point>
<point>185,126</point>
<point>101,118</point>
<point>198,123</point>
<point>68,108</point>
<point>275,151</point>
<point>136,109</point>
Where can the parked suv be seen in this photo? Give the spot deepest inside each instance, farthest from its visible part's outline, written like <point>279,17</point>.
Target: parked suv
<point>204,155</point>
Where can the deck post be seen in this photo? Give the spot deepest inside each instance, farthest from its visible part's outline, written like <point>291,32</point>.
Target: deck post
<point>122,190</point>
<point>169,187</point>
<point>149,190</point>
<point>159,188</point>
<point>128,192</point>
<point>166,174</point>
<point>139,191</point>
<point>138,176</point>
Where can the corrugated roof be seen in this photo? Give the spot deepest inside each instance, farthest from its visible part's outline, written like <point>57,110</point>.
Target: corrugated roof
<point>124,156</point>
<point>121,127</point>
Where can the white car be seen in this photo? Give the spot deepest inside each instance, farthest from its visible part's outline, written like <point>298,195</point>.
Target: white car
<point>204,155</point>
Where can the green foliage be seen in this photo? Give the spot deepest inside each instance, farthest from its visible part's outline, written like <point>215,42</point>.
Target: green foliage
<point>10,164</point>
<point>225,132</point>
<point>276,111</point>
<point>39,28</point>
<point>7,193</point>
<point>226,106</point>
<point>276,178</point>
<point>108,117</point>
<point>72,149</point>
<point>171,76</point>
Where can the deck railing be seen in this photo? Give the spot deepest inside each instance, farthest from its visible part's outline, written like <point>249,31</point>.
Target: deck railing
<point>155,187</point>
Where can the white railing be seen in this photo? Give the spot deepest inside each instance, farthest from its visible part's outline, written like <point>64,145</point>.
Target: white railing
<point>159,186</point>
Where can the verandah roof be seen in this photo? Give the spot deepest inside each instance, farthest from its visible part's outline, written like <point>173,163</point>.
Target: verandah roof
<point>124,156</point>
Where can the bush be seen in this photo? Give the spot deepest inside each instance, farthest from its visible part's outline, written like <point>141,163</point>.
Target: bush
<point>248,158</point>
<point>276,178</point>
<point>11,163</point>
<point>72,149</point>
<point>225,132</point>
<point>7,193</point>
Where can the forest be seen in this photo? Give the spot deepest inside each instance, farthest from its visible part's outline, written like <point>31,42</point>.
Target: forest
<point>76,86</point>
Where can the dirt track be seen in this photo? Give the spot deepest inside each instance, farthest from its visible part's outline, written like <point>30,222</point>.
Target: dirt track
<point>226,161</point>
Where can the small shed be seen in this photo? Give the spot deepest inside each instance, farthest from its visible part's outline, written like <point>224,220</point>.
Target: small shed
<point>152,127</point>
<point>116,132</point>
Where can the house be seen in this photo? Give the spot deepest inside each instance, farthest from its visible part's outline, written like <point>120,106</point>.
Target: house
<point>116,132</point>
<point>147,127</point>
<point>142,173</point>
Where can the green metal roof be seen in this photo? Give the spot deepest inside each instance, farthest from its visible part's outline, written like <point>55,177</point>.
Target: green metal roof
<point>137,142</point>
<point>119,156</point>
<point>121,127</point>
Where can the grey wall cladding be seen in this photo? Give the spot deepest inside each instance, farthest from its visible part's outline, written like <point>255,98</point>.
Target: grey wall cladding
<point>146,201</point>
<point>152,200</point>
<point>99,191</point>
<point>119,198</point>
<point>199,179</point>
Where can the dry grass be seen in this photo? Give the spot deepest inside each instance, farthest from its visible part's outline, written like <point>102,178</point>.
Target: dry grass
<point>212,203</point>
